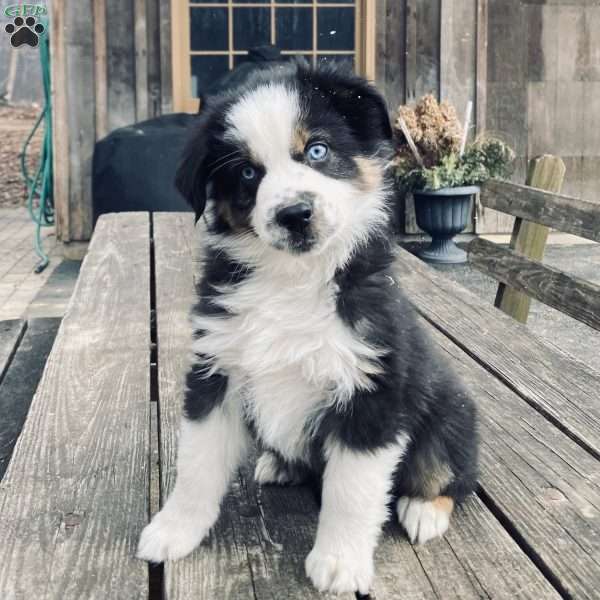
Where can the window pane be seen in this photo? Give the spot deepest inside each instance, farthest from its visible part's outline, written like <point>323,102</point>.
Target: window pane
<point>252,1</point>
<point>239,59</point>
<point>208,29</point>
<point>335,29</point>
<point>205,70</point>
<point>296,55</point>
<point>294,28</point>
<point>340,59</point>
<point>251,27</point>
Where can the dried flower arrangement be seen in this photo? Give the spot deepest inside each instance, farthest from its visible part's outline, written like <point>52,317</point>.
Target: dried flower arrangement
<point>432,154</point>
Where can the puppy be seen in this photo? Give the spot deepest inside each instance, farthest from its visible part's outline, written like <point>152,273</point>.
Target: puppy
<point>301,335</point>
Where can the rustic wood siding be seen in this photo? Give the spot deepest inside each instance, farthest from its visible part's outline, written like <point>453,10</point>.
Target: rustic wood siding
<point>532,69</point>
<point>111,67</point>
<point>543,89</point>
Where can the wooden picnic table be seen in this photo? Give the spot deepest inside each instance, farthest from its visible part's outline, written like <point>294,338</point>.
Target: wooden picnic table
<point>96,456</point>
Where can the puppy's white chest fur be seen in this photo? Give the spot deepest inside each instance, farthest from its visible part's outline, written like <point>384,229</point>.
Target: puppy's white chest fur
<point>285,343</point>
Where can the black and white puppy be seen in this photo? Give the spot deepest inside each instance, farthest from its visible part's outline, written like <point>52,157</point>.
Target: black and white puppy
<point>301,336</point>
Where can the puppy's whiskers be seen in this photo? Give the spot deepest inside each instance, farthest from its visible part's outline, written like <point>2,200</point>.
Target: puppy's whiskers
<point>232,162</point>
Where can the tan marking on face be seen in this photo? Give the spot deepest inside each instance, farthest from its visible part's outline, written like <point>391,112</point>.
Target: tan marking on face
<point>299,139</point>
<point>369,174</point>
<point>444,503</point>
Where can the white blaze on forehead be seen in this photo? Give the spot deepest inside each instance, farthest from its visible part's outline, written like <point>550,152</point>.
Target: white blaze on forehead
<point>265,119</point>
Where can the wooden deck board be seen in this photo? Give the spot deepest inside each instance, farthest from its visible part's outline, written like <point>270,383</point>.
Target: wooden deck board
<point>238,560</point>
<point>75,496</point>
<point>542,481</point>
<point>219,568</point>
<point>81,483</point>
<point>562,388</point>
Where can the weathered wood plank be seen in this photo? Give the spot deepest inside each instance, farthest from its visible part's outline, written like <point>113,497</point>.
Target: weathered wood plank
<point>564,213</point>
<point>529,239</point>
<point>60,113</point>
<point>18,387</point>
<point>458,60</point>
<point>166,56</point>
<point>120,63</point>
<point>75,496</point>
<point>11,333</point>
<point>481,62</point>
<point>422,49</point>
<point>100,70</point>
<point>219,569</point>
<point>475,559</point>
<point>240,558</point>
<point>154,57</point>
<point>559,386</point>
<point>141,59</point>
<point>391,51</point>
<point>538,479</point>
<point>571,295</point>
<point>81,121</point>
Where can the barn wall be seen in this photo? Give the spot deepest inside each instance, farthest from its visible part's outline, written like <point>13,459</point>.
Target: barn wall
<point>111,67</point>
<point>532,69</point>
<point>543,89</point>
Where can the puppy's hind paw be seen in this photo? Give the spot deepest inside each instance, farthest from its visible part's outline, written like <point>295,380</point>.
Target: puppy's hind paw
<point>171,536</point>
<point>271,470</point>
<point>424,520</point>
<point>338,573</point>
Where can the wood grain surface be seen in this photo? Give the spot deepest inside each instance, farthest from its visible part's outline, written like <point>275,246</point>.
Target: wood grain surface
<point>75,496</point>
<point>571,295</point>
<point>538,480</point>
<point>562,388</point>
<point>528,238</point>
<point>258,547</point>
<point>564,213</point>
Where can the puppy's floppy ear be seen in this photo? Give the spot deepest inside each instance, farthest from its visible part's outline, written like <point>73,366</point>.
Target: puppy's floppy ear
<point>192,178</point>
<point>362,106</point>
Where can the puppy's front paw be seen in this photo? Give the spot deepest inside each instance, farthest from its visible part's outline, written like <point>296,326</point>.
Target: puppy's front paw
<point>339,573</point>
<point>172,535</point>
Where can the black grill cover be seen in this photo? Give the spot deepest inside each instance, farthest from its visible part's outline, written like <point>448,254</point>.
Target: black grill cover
<point>134,167</point>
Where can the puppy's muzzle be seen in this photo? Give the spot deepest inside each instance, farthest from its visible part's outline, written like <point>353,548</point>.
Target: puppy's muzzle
<point>295,218</point>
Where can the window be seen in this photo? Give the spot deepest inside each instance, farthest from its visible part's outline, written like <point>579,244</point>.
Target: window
<point>212,37</point>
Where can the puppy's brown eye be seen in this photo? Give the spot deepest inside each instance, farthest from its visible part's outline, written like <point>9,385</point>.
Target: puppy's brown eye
<point>248,173</point>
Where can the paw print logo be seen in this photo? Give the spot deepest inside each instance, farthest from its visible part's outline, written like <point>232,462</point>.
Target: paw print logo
<point>24,31</point>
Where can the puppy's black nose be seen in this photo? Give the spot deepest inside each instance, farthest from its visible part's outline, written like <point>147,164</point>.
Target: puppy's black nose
<point>296,217</point>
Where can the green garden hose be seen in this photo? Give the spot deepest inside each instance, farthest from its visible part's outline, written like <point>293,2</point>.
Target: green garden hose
<point>40,202</point>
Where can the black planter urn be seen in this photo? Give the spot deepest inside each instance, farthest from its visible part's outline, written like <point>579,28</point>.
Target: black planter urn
<point>443,214</point>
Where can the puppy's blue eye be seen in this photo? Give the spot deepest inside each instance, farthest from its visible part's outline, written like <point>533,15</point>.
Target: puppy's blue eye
<point>317,152</point>
<point>248,173</point>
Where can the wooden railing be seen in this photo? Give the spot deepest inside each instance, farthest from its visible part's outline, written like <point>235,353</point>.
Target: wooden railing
<point>564,213</point>
<point>538,207</point>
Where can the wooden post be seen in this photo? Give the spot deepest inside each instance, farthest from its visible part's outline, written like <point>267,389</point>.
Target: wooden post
<point>368,42</point>
<point>100,72</point>
<point>529,239</point>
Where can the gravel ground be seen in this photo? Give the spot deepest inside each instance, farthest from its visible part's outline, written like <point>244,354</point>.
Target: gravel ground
<point>15,125</point>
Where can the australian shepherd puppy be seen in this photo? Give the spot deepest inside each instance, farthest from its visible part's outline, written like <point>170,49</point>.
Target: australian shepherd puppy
<point>302,336</point>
